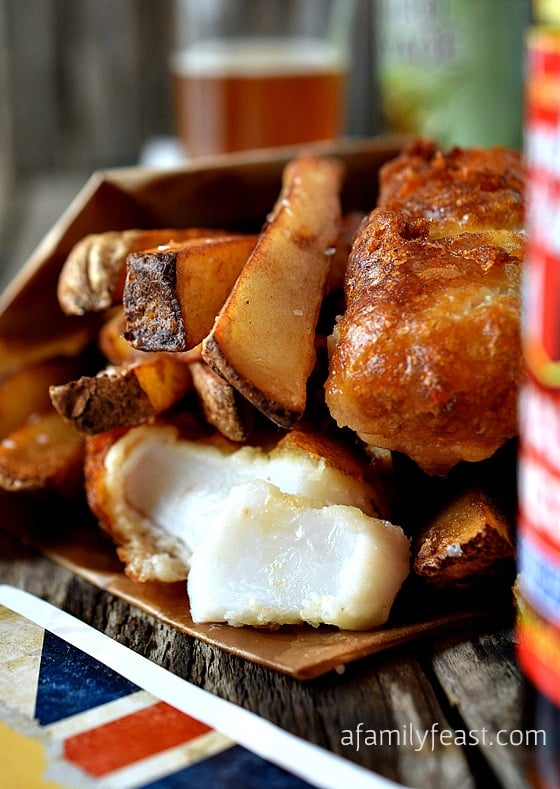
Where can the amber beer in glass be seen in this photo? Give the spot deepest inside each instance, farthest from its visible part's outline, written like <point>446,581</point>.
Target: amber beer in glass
<point>275,80</point>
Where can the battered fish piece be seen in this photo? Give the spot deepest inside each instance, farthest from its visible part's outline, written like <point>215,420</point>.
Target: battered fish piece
<point>462,190</point>
<point>427,358</point>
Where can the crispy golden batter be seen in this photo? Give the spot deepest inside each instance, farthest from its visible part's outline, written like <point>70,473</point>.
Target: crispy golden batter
<point>427,358</point>
<point>462,190</point>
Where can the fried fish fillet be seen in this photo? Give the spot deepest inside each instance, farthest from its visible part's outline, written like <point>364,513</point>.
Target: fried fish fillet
<point>426,359</point>
<point>462,190</point>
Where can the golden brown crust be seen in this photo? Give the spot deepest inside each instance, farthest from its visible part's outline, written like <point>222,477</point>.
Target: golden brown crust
<point>222,405</point>
<point>462,189</point>
<point>467,539</point>
<point>44,454</point>
<point>427,357</point>
<point>96,448</point>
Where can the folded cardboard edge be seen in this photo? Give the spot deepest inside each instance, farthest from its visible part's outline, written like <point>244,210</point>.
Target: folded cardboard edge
<point>236,190</point>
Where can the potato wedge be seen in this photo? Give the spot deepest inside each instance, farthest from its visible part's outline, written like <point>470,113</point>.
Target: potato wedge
<point>173,294</point>
<point>468,538</point>
<point>263,341</point>
<point>222,405</point>
<point>117,350</point>
<point>130,394</point>
<point>45,454</point>
<point>93,274</point>
<point>112,343</point>
<point>17,351</point>
<point>24,390</point>
<point>350,224</point>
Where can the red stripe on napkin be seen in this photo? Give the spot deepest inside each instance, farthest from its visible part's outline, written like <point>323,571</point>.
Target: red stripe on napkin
<point>127,740</point>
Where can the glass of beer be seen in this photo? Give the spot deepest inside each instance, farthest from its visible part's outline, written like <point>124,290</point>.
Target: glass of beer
<point>253,74</point>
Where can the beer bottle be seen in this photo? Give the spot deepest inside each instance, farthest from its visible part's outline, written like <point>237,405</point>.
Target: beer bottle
<point>538,627</point>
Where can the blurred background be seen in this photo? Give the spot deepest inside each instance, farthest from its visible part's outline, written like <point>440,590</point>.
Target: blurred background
<point>85,85</point>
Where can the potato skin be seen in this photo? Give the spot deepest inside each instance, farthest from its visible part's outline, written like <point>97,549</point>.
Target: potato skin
<point>468,539</point>
<point>154,320</point>
<point>93,275</point>
<point>103,402</point>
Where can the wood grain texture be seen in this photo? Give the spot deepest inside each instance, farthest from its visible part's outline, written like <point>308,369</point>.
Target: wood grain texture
<point>96,80</point>
<point>481,679</point>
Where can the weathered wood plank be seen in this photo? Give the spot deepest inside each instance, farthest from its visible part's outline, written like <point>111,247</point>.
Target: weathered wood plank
<point>393,698</point>
<point>481,679</point>
<point>94,84</point>
<point>32,79</point>
<point>99,83</point>
<point>156,31</point>
<point>6,154</point>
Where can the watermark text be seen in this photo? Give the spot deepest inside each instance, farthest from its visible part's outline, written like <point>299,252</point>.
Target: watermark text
<point>408,736</point>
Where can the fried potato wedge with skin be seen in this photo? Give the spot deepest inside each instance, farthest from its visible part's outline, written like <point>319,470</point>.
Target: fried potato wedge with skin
<point>130,394</point>
<point>24,390</point>
<point>112,342</point>
<point>93,274</point>
<point>351,221</point>
<point>468,538</point>
<point>117,350</point>
<point>263,341</point>
<point>173,294</point>
<point>164,380</point>
<point>222,405</point>
<point>16,351</point>
<point>46,453</point>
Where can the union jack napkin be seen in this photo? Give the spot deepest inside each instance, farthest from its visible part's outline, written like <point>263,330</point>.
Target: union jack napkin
<point>78,709</point>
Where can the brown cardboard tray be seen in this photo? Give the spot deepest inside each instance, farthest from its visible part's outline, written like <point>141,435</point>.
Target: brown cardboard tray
<point>235,192</point>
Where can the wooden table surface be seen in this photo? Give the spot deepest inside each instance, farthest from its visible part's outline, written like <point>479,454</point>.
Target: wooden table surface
<point>467,683</point>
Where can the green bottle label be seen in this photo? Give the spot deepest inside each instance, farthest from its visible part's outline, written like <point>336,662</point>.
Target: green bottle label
<point>453,70</point>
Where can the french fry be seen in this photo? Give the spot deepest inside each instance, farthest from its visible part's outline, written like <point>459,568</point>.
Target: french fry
<point>173,294</point>
<point>17,352</point>
<point>112,343</point>
<point>468,538</point>
<point>93,274</point>
<point>263,341</point>
<point>130,394</point>
<point>46,453</point>
<point>24,390</point>
<point>350,223</point>
<point>222,405</point>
